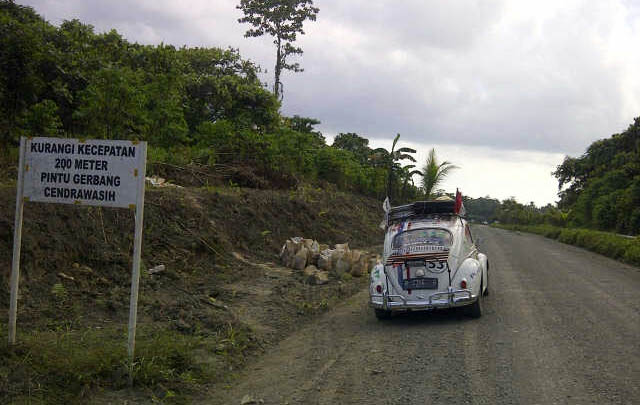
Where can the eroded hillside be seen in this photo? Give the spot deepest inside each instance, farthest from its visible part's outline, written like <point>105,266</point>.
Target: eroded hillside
<point>220,297</point>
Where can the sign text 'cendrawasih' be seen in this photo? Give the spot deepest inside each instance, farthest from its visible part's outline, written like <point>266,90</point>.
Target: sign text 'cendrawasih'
<point>92,172</point>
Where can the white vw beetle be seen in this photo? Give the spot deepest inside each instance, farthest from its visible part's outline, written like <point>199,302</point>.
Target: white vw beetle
<point>429,261</point>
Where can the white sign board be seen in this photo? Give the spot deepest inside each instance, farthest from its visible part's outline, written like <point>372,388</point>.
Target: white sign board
<point>91,172</point>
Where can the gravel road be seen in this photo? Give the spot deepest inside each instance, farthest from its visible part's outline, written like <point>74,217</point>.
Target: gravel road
<point>561,325</point>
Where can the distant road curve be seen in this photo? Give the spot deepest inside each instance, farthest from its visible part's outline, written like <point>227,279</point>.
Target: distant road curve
<point>561,326</point>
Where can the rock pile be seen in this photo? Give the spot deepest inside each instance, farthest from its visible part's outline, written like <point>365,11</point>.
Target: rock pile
<point>318,260</point>
<point>156,181</point>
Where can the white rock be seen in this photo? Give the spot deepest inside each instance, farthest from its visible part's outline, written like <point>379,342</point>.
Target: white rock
<point>342,246</point>
<point>324,261</point>
<point>342,266</point>
<point>300,259</point>
<point>249,400</point>
<point>157,269</point>
<point>335,256</point>
<point>321,277</point>
<point>314,276</point>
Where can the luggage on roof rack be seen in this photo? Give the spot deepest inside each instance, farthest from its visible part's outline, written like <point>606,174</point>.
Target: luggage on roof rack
<point>422,209</point>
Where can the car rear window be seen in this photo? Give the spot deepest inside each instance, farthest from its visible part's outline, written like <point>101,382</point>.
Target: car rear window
<point>435,237</point>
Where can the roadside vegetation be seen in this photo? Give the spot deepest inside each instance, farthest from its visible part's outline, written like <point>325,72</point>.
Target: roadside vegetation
<point>599,190</point>
<point>204,112</point>
<point>619,247</point>
<point>599,207</point>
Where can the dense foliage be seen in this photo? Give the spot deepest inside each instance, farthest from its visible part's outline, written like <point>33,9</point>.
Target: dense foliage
<point>481,209</point>
<point>598,190</point>
<point>510,211</point>
<point>603,185</point>
<point>195,106</point>
<point>69,80</point>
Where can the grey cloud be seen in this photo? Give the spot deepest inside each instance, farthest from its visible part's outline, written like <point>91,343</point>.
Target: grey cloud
<point>177,23</point>
<point>447,25</point>
<point>540,85</point>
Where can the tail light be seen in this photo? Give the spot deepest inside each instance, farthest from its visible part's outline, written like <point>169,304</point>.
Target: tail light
<point>379,289</point>
<point>463,284</point>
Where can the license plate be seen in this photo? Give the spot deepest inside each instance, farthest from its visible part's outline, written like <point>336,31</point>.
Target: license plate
<point>426,283</point>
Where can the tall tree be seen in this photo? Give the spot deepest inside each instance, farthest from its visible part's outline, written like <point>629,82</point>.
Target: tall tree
<point>434,172</point>
<point>283,20</point>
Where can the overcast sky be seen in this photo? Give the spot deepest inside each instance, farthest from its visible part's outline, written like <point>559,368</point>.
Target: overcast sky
<point>504,89</point>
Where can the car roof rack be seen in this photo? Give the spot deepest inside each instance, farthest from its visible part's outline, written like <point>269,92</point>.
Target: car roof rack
<point>421,209</point>
<point>424,209</point>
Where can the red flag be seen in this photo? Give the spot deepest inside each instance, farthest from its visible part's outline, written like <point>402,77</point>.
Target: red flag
<point>458,206</point>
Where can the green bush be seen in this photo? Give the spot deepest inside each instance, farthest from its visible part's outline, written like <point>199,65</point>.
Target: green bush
<point>632,254</point>
<point>567,236</point>
<point>552,232</point>
<point>181,155</point>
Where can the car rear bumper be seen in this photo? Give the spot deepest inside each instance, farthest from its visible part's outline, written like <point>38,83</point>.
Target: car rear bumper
<point>447,299</point>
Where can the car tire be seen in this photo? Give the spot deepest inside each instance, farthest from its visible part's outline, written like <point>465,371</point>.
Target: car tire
<point>486,290</point>
<point>475,310</point>
<point>382,314</point>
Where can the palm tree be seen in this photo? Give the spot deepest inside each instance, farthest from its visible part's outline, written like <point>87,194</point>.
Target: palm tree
<point>391,161</point>
<point>407,176</point>
<point>433,172</point>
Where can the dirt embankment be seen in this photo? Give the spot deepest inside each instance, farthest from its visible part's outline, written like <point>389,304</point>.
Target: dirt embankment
<point>221,283</point>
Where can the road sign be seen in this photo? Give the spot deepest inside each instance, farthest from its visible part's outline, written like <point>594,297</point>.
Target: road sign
<point>72,171</point>
<point>92,172</point>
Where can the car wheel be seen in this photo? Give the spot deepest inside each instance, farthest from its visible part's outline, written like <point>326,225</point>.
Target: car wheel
<point>382,314</point>
<point>475,310</point>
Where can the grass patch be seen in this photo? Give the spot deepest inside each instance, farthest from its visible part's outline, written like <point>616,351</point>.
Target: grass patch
<point>605,243</point>
<point>65,366</point>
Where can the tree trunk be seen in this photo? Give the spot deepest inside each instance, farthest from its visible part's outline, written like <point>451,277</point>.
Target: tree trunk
<point>389,186</point>
<point>427,191</point>
<point>403,196</point>
<point>276,84</point>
